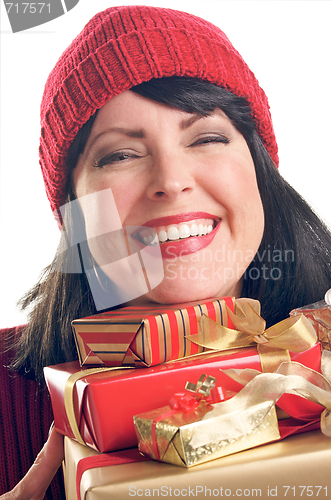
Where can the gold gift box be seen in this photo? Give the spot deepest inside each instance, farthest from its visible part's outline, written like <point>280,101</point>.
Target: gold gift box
<point>207,433</point>
<point>280,468</point>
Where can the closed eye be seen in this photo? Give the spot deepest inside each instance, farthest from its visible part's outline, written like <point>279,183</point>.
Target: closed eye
<point>210,139</point>
<point>116,157</point>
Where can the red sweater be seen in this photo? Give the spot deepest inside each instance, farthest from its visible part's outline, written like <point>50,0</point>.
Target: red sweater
<point>25,418</point>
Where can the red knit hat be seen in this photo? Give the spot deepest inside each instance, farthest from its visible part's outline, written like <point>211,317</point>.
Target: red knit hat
<point>122,47</point>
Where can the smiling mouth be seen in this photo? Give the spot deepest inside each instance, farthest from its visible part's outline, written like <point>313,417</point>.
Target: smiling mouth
<point>176,232</point>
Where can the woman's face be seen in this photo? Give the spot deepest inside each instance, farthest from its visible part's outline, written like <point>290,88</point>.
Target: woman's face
<point>183,175</point>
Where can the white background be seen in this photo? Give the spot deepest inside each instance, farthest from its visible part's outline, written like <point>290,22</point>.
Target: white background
<point>285,43</point>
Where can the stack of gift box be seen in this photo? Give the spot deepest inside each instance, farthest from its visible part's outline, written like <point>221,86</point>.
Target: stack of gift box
<point>200,384</point>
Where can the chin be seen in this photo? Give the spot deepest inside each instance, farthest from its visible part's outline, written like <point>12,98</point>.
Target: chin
<point>181,292</point>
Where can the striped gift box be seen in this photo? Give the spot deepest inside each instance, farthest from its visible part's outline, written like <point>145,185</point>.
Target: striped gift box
<point>145,336</point>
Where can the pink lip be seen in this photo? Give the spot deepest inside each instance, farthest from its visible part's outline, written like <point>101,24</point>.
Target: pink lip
<point>177,219</point>
<point>185,246</point>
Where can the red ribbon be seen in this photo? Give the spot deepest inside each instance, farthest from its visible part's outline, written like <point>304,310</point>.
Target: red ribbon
<point>104,460</point>
<point>179,403</point>
<point>183,402</point>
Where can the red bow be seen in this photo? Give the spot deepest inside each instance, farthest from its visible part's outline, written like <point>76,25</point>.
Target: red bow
<point>183,402</point>
<point>204,391</point>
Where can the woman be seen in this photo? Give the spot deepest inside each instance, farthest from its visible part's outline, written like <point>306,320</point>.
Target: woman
<point>154,110</point>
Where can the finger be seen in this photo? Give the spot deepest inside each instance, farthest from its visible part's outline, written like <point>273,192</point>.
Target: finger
<point>35,483</point>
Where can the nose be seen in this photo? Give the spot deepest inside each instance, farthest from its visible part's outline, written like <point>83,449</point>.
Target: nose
<point>171,177</point>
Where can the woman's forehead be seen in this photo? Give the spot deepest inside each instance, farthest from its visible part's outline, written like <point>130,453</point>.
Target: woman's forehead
<point>131,108</point>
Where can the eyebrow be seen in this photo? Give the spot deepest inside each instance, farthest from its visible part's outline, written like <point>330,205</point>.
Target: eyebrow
<point>140,134</point>
<point>187,122</point>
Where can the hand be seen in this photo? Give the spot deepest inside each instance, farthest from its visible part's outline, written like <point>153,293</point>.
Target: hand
<point>34,484</point>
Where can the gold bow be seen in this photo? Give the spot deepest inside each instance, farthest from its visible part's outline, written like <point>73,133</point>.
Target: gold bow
<point>203,387</point>
<point>294,333</point>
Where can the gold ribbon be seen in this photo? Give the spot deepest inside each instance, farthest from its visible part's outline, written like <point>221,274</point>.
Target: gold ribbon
<point>295,333</point>
<point>203,387</point>
<point>69,395</point>
<point>289,378</point>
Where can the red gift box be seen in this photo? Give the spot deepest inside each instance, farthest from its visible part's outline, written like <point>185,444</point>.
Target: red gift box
<point>104,403</point>
<point>145,336</point>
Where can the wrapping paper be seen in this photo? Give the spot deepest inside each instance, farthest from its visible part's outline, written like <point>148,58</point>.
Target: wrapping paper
<point>283,467</point>
<point>193,429</point>
<point>145,336</point>
<point>319,315</point>
<point>174,435</point>
<point>104,403</point>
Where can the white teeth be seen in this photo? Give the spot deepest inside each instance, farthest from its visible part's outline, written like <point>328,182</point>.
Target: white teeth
<point>154,240</point>
<point>149,239</point>
<point>163,236</point>
<point>173,233</point>
<point>184,231</point>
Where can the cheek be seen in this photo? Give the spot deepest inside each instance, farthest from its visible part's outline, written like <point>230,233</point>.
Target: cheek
<point>125,192</point>
<point>232,181</point>
<point>234,186</point>
<point>127,196</point>
<point>246,215</point>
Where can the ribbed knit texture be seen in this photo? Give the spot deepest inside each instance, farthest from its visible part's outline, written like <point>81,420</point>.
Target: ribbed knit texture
<point>25,418</point>
<point>122,47</point>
